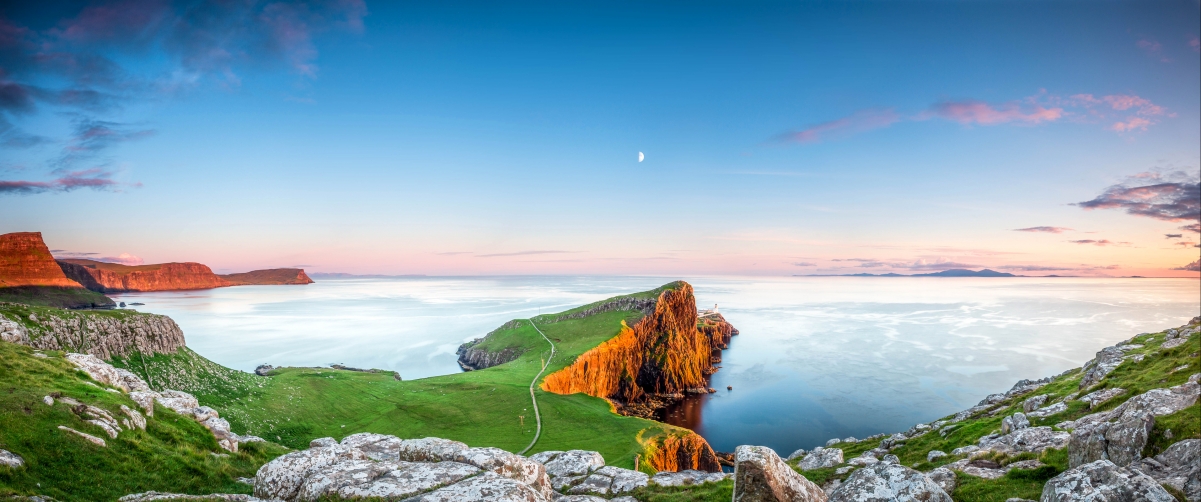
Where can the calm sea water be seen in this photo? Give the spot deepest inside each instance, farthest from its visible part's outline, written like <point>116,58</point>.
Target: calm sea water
<point>818,357</point>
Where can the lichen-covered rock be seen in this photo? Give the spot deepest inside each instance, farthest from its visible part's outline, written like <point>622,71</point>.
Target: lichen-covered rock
<point>821,458</point>
<point>987,469</point>
<point>944,478</point>
<point>611,480</point>
<point>574,463</point>
<point>100,371</point>
<point>135,419</point>
<point>153,496</point>
<point>867,458</point>
<point>1049,410</point>
<point>1095,398</point>
<point>516,467</point>
<point>429,449</point>
<point>322,442</point>
<point>1034,403</point>
<point>10,460</point>
<point>1120,434</point>
<point>375,446</point>
<point>361,479</point>
<point>104,336</point>
<point>282,478</point>
<point>933,455</point>
<point>90,438</point>
<point>178,401</point>
<point>1014,422</point>
<point>1102,481</point>
<point>762,476</point>
<point>487,486</point>
<point>1179,466</point>
<point>888,482</point>
<point>545,456</point>
<point>1029,439</point>
<point>687,478</point>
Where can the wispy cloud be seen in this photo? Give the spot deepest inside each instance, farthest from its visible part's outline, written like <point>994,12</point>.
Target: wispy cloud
<point>804,264</point>
<point>1100,242</point>
<point>1195,266</point>
<point>1049,230</point>
<point>861,121</point>
<point>1153,49</point>
<point>92,137</point>
<point>96,179</point>
<point>1173,236</point>
<point>523,253</point>
<point>1174,196</point>
<point>979,112</point>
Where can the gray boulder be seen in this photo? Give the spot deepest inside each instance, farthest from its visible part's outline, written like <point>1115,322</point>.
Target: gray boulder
<point>762,476</point>
<point>1120,434</point>
<point>1014,422</point>
<point>1047,411</point>
<point>933,455</point>
<point>1179,467</point>
<point>574,463</point>
<point>821,458</point>
<point>797,454</point>
<point>611,480</point>
<point>487,486</point>
<point>516,467</point>
<point>944,478</point>
<point>687,478</point>
<point>10,460</point>
<point>1034,403</point>
<point>385,480</point>
<point>1097,397</point>
<point>1029,439</point>
<point>888,482</point>
<point>282,477</point>
<point>1103,481</point>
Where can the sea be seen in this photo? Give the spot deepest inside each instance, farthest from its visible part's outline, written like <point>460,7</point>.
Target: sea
<point>816,358</point>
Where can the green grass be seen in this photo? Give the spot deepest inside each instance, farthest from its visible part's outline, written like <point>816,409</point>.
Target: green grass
<point>173,454</point>
<point>51,296</point>
<point>708,492</point>
<point>481,408</point>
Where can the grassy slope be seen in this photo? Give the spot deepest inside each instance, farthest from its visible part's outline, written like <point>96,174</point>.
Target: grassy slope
<point>1155,371</point>
<point>174,453</point>
<point>480,408</point>
<point>20,313</point>
<point>51,296</point>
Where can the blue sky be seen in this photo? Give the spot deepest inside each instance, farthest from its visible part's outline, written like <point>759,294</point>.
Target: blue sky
<point>478,138</point>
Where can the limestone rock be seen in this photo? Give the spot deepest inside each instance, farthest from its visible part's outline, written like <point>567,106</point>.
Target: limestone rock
<point>1014,422</point>
<point>10,460</point>
<point>177,401</point>
<point>282,477</point>
<point>687,478</point>
<point>796,454</point>
<point>833,442</point>
<point>545,456</point>
<point>934,455</point>
<point>90,438</point>
<point>944,478</point>
<point>1095,398</point>
<point>821,458</point>
<point>965,450</point>
<point>429,449</point>
<point>105,336</point>
<point>762,476</point>
<point>1029,439</point>
<point>12,331</point>
<point>100,371</point>
<point>487,486</point>
<point>574,463</point>
<point>322,442</point>
<point>1102,481</point>
<point>216,497</point>
<point>1034,403</point>
<point>887,482</point>
<point>145,400</point>
<point>135,419</point>
<point>386,480</point>
<point>867,458</point>
<point>1120,434</point>
<point>1047,411</point>
<point>988,469</point>
<point>522,469</point>
<point>1179,466</point>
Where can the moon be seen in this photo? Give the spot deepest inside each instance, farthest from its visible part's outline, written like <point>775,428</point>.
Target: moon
<point>641,156</point>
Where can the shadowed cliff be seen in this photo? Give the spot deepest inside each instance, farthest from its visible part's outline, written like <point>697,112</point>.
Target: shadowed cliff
<point>28,274</point>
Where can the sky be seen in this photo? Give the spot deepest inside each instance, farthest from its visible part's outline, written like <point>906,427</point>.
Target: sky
<point>477,138</point>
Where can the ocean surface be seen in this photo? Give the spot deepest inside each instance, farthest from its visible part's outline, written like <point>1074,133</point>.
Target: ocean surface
<point>817,357</point>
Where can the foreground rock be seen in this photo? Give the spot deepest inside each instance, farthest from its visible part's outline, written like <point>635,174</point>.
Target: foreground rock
<point>688,478</point>
<point>1119,435</point>
<point>1179,467</point>
<point>10,460</point>
<point>762,476</point>
<point>885,482</point>
<point>1103,481</point>
<point>821,458</point>
<point>103,336</point>
<point>218,497</point>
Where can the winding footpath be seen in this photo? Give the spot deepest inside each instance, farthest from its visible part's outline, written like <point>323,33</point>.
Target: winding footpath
<point>537,414</point>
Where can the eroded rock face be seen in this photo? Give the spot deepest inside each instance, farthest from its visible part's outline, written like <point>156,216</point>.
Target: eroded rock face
<point>104,336</point>
<point>1179,467</point>
<point>888,482</point>
<point>282,478</point>
<point>944,478</point>
<point>26,261</point>
<point>113,278</point>
<point>762,476</point>
<point>1029,439</point>
<point>1102,481</point>
<point>1014,422</point>
<point>821,458</point>
<point>486,486</point>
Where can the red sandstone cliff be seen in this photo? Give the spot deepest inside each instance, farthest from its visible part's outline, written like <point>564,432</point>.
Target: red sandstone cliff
<point>273,276</point>
<point>26,261</point>
<point>112,278</point>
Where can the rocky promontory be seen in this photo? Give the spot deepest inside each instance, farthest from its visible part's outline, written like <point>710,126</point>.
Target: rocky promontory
<point>29,274</point>
<point>268,277</point>
<point>105,334</point>
<point>115,278</point>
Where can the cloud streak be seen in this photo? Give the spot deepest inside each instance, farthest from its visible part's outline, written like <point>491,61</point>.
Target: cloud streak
<point>1169,197</point>
<point>1195,266</point>
<point>861,121</point>
<point>1049,230</point>
<point>95,179</point>
<point>981,113</point>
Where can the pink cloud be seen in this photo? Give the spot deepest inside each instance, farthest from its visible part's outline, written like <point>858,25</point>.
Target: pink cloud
<point>861,121</point>
<point>1102,242</point>
<point>979,112</point>
<point>1130,125</point>
<point>1050,230</point>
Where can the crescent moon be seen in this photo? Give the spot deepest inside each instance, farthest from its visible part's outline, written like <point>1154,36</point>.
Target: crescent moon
<point>641,156</point>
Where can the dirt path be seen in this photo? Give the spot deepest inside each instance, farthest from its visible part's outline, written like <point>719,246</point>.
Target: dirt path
<point>537,414</point>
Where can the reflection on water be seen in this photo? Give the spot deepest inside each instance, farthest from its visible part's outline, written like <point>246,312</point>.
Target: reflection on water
<point>817,357</point>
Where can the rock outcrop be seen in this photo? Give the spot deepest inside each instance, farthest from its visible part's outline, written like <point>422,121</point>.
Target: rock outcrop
<point>378,466</point>
<point>11,460</point>
<point>762,476</point>
<point>1119,435</point>
<point>1179,466</point>
<point>821,458</point>
<point>272,276</point>
<point>26,261</point>
<point>683,450</point>
<point>102,334</point>
<point>113,278</point>
<point>1102,481</point>
<point>887,482</point>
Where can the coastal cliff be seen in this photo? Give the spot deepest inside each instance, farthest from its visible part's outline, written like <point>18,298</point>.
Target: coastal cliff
<point>104,334</point>
<point>28,274</point>
<point>666,353</point>
<point>113,278</point>
<point>268,277</point>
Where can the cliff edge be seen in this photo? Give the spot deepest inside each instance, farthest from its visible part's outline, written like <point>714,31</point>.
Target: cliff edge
<point>114,278</point>
<point>271,276</point>
<point>104,334</point>
<point>28,274</point>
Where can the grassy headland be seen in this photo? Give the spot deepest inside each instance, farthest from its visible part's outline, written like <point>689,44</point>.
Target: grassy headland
<point>55,296</point>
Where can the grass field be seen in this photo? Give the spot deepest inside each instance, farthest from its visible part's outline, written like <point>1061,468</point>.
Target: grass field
<point>489,407</point>
<point>174,453</point>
